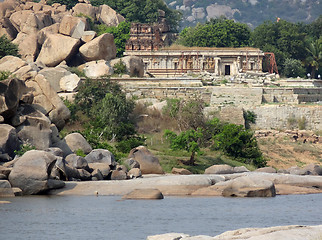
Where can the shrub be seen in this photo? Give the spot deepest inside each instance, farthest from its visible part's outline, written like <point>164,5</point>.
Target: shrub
<point>293,68</point>
<point>7,47</point>
<point>24,148</point>
<point>4,75</point>
<point>250,117</point>
<point>120,67</point>
<point>125,146</point>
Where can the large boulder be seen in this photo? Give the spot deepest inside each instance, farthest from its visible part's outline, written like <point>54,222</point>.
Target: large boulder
<point>313,169</point>
<point>118,174</point>
<point>77,162</point>
<point>6,28</point>
<point>11,91</point>
<point>31,173</point>
<point>54,75</point>
<point>57,48</point>
<point>28,46</point>
<point>144,194</point>
<point>76,141</point>
<point>72,26</point>
<point>97,69</point>
<point>180,171</point>
<point>102,47</point>
<point>103,168</point>
<point>5,189</point>
<point>9,141</point>
<point>248,186</point>
<point>108,16</point>
<point>69,83</point>
<point>60,113</point>
<point>101,156</point>
<point>266,170</point>
<point>45,32</point>
<point>11,63</point>
<point>149,164</point>
<point>33,127</point>
<point>85,9</point>
<point>220,169</point>
<point>7,6</point>
<point>134,65</point>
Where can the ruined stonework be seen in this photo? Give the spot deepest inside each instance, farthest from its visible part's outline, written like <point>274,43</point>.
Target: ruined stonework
<point>172,61</point>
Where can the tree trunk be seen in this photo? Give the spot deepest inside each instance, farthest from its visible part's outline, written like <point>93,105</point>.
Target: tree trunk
<point>192,159</point>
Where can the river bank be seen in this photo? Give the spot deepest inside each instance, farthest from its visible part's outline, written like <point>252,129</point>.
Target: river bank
<point>195,185</point>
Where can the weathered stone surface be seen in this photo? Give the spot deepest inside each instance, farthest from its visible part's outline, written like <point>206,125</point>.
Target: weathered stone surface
<point>17,191</point>
<point>168,236</point>
<point>219,169</point>
<point>135,173</point>
<point>118,175</point>
<point>84,175</point>
<point>76,141</point>
<point>5,171</point>
<point>9,141</point>
<point>132,163</point>
<point>88,36</point>
<point>102,47</point>
<point>240,169</point>
<point>85,9</point>
<point>60,113</point>
<point>45,32</point>
<point>72,26</point>
<point>248,186</point>
<point>108,16</point>
<point>97,69</point>
<point>313,169</point>
<point>5,189</point>
<point>148,162</point>
<point>101,156</point>
<point>134,65</point>
<point>97,175</point>
<point>57,48</point>
<point>76,161</point>
<point>55,151</point>
<point>11,63</point>
<point>6,6</point>
<point>54,75</point>
<point>180,171</point>
<point>297,171</point>
<point>69,83</point>
<point>144,194</point>
<point>266,170</point>
<point>31,172</point>
<point>35,130</point>
<point>104,168</point>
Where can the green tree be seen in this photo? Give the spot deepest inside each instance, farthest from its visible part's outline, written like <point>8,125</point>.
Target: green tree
<point>189,141</point>
<point>121,34</point>
<point>7,47</point>
<point>314,54</point>
<point>216,33</point>
<point>293,68</point>
<point>69,3</point>
<point>238,142</point>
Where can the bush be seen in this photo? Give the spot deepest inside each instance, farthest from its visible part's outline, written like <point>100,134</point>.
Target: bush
<point>4,75</point>
<point>120,67</point>
<point>293,68</point>
<point>240,143</point>
<point>125,146</point>
<point>7,47</point>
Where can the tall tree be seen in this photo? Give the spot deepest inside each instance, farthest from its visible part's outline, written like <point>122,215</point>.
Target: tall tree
<point>314,54</point>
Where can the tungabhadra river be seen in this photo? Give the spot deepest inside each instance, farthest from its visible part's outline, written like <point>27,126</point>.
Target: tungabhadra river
<point>106,217</point>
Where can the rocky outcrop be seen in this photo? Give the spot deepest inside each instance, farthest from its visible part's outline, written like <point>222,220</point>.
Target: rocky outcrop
<point>75,141</point>
<point>148,162</point>
<point>134,65</point>
<point>9,141</point>
<point>32,172</point>
<point>144,194</point>
<point>107,15</point>
<point>97,69</point>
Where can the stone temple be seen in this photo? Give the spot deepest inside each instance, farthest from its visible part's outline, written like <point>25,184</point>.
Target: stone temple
<point>149,42</point>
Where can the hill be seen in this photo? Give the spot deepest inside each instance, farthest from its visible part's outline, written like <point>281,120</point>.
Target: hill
<point>252,12</point>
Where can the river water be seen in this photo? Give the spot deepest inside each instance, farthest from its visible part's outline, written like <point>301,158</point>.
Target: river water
<point>107,217</point>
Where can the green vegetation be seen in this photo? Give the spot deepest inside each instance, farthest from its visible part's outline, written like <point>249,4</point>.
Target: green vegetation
<point>69,3</point>
<point>25,147</point>
<point>7,47</point>
<point>216,33</point>
<point>4,75</point>
<point>293,68</point>
<point>119,68</point>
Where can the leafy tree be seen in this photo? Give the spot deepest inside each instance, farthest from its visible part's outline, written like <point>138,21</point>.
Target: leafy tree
<point>314,54</point>
<point>238,142</point>
<point>283,38</point>
<point>144,11</point>
<point>189,140</point>
<point>7,47</point>
<point>121,34</point>
<point>216,33</point>
<point>293,68</point>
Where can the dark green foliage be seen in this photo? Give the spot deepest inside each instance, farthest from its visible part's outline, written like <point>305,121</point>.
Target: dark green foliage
<point>23,149</point>
<point>69,3</point>
<point>293,68</point>
<point>172,107</point>
<point>144,11</point>
<point>313,58</point>
<point>240,143</point>
<point>250,117</point>
<point>125,146</point>
<point>76,71</point>
<point>189,140</point>
<point>73,108</point>
<point>4,75</point>
<point>216,33</point>
<point>121,34</point>
<point>7,47</point>
<point>119,68</point>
